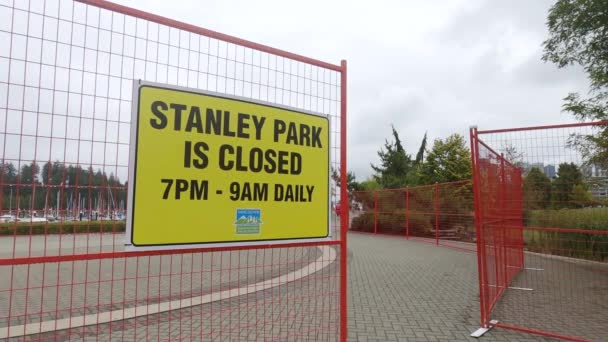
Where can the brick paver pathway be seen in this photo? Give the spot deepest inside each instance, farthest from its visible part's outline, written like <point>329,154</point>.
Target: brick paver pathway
<point>403,290</point>
<point>399,290</point>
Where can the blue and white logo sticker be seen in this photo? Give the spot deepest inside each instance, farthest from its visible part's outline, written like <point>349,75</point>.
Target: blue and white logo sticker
<point>248,221</point>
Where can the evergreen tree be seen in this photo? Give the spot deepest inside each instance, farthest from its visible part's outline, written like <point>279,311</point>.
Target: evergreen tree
<point>420,154</point>
<point>536,190</point>
<point>351,182</point>
<point>562,193</point>
<point>395,164</point>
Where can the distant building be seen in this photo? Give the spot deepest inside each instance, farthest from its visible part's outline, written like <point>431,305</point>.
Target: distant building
<point>599,190</point>
<point>594,171</point>
<point>587,171</point>
<point>597,178</point>
<point>598,172</point>
<point>529,166</point>
<point>549,171</point>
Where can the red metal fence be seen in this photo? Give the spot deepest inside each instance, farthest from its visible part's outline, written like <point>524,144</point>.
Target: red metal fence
<point>541,210</point>
<point>441,213</point>
<point>66,72</point>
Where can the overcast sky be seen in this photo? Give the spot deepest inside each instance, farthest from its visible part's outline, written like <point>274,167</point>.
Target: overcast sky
<point>438,66</point>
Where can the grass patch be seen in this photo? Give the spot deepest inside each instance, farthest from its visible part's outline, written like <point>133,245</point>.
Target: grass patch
<point>577,245</point>
<point>586,218</point>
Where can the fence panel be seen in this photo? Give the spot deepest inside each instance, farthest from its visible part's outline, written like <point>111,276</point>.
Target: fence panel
<point>456,215</point>
<point>499,247</point>
<point>441,213</point>
<point>66,74</point>
<point>422,213</point>
<point>542,214</point>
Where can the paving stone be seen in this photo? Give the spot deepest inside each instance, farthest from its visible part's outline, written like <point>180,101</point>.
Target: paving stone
<point>398,290</point>
<point>427,293</point>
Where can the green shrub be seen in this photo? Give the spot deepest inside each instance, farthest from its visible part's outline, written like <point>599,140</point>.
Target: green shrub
<point>421,225</point>
<point>394,223</point>
<point>578,245</point>
<point>76,227</point>
<point>391,223</point>
<point>587,218</point>
<point>363,223</point>
<point>387,223</point>
<point>390,200</point>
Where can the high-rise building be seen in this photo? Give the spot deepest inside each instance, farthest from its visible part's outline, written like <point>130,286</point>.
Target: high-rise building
<point>595,171</point>
<point>549,171</point>
<point>597,178</point>
<point>599,190</point>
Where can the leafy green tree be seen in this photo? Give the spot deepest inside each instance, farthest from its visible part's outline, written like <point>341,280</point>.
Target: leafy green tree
<point>351,181</point>
<point>448,160</point>
<point>29,194</point>
<point>28,178</point>
<point>578,35</point>
<point>512,155</point>
<point>29,174</point>
<point>9,173</point>
<point>370,184</point>
<point>58,173</point>
<point>89,184</point>
<point>568,176</point>
<point>581,196</point>
<point>8,179</point>
<point>113,181</point>
<point>536,190</point>
<point>47,172</point>
<point>52,173</point>
<point>121,196</point>
<point>366,197</point>
<point>395,164</point>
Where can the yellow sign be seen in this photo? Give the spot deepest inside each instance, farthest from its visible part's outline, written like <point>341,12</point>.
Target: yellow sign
<point>212,169</point>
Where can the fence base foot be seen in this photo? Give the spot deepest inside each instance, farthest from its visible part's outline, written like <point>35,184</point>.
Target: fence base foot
<point>481,331</point>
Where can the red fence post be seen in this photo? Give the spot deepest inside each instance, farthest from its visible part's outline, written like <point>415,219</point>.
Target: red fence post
<point>375,212</point>
<point>407,213</point>
<point>436,213</point>
<point>505,218</point>
<point>520,215</point>
<point>345,201</point>
<point>478,226</point>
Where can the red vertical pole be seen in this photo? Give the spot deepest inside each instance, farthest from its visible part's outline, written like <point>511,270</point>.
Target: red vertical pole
<point>478,226</point>
<point>436,213</point>
<point>344,201</point>
<point>505,214</point>
<point>407,213</point>
<point>375,211</point>
<point>520,216</point>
